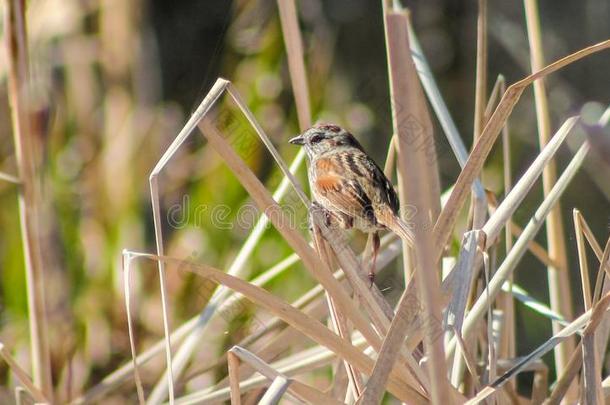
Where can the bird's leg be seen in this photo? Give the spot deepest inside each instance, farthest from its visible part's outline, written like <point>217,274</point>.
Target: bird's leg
<point>376,244</point>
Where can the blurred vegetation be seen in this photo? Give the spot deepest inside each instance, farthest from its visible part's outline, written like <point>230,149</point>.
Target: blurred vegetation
<point>117,80</point>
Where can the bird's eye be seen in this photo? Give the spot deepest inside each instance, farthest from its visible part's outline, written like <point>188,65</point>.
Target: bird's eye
<point>316,138</point>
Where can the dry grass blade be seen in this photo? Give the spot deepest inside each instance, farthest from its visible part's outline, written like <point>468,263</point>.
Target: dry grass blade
<point>22,376</point>
<point>405,315</point>
<point>297,319</point>
<point>591,369</point>
<point>577,356</point>
<point>418,186</point>
<point>448,216</point>
<point>30,203</point>
<point>468,359</point>
<point>336,317</point>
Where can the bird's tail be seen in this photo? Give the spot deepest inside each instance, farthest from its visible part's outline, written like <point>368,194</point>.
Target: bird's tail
<point>398,226</point>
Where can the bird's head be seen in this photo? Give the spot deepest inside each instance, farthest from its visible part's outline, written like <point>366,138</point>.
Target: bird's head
<point>322,138</point>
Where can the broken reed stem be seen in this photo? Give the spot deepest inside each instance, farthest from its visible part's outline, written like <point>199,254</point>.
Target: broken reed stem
<point>559,283</point>
<point>29,192</point>
<point>418,190</point>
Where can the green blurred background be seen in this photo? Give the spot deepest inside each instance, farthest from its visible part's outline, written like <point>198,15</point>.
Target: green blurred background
<point>117,79</point>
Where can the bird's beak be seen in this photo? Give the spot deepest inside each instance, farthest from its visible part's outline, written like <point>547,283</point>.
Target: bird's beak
<point>297,140</point>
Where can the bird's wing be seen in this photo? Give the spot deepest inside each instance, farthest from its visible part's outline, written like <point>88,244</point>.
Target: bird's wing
<point>342,192</point>
<point>384,191</point>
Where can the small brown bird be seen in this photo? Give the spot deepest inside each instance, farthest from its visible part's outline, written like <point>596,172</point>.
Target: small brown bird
<point>350,186</point>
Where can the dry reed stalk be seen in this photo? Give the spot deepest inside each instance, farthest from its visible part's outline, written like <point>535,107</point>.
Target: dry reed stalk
<point>22,376</point>
<point>508,348</point>
<point>336,317</point>
<point>582,260</point>
<point>473,166</point>
<point>127,294</point>
<point>387,254</point>
<point>296,64</point>
<point>297,319</point>
<point>233,366</point>
<point>478,208</point>
<point>370,297</point>
<point>417,187</point>
<point>468,263</point>
<point>559,283</point>
<point>29,190</point>
<point>392,343</point>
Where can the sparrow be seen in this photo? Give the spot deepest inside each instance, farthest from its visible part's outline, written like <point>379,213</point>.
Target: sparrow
<point>349,186</point>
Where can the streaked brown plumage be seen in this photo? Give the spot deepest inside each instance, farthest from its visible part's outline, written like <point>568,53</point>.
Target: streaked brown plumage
<point>347,183</point>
